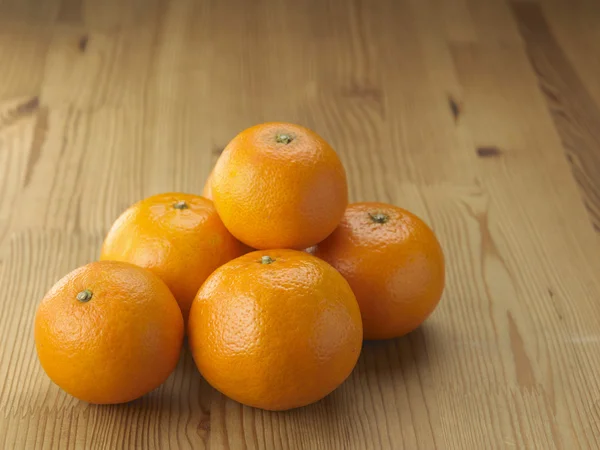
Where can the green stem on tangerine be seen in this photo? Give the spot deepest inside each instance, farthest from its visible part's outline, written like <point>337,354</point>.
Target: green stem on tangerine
<point>284,138</point>
<point>379,217</point>
<point>180,205</point>
<point>85,296</point>
<point>267,260</point>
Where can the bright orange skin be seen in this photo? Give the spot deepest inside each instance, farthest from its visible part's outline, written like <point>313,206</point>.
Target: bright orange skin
<point>182,246</point>
<point>396,268</point>
<point>117,346</point>
<point>277,195</point>
<point>275,336</point>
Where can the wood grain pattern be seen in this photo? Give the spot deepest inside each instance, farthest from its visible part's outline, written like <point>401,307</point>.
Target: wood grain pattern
<point>576,115</point>
<point>482,117</point>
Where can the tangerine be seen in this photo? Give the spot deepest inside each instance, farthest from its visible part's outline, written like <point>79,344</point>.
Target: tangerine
<point>108,332</point>
<point>275,329</point>
<point>394,264</point>
<point>179,237</point>
<point>279,185</point>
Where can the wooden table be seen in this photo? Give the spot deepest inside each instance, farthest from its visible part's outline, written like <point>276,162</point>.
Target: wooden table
<point>481,116</point>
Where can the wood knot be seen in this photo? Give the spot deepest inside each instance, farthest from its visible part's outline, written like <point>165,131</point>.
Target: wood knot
<point>489,151</point>
<point>83,43</point>
<point>455,108</point>
<point>29,107</point>
<point>204,424</point>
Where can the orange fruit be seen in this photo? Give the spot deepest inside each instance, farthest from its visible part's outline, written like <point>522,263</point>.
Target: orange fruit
<point>275,329</point>
<point>207,191</point>
<point>108,332</point>
<point>179,237</point>
<point>279,185</point>
<point>394,264</point>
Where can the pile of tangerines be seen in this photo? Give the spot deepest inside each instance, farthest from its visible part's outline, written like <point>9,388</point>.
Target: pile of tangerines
<point>275,328</point>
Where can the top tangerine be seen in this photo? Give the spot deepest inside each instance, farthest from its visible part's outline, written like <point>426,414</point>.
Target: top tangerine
<point>279,185</point>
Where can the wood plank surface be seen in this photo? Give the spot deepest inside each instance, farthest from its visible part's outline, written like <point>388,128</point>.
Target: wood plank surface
<point>483,117</point>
